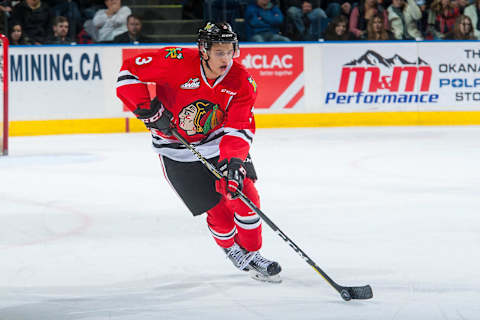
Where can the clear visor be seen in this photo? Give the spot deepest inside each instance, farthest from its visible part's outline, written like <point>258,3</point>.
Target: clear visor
<point>235,52</point>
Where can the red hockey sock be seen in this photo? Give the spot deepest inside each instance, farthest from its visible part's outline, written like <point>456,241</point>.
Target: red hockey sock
<point>221,225</point>
<point>249,224</point>
<point>232,221</point>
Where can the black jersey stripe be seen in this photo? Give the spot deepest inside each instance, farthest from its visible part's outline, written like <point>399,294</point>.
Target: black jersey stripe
<point>174,145</point>
<point>245,133</point>
<point>223,236</point>
<point>246,221</point>
<point>207,140</point>
<point>214,137</point>
<point>127,77</point>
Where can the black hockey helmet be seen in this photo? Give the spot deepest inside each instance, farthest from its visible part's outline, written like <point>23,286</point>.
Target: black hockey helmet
<point>219,32</point>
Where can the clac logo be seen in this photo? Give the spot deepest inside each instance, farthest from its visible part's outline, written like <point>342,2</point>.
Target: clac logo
<point>264,61</point>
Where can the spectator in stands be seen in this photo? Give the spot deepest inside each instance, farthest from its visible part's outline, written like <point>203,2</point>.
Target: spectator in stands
<point>473,12</point>
<point>462,30</point>
<point>263,21</point>
<point>83,37</point>
<point>60,32</point>
<point>193,9</point>
<point>362,14</point>
<point>306,22</point>
<point>441,18</point>
<point>334,8</point>
<point>385,3</point>
<point>461,4</point>
<point>70,10</point>
<point>34,16</point>
<point>403,17</point>
<point>337,30</point>
<point>422,24</point>
<point>376,29</point>
<point>134,33</point>
<point>88,8</point>
<point>5,10</point>
<point>112,21</point>
<point>16,36</point>
<point>222,10</point>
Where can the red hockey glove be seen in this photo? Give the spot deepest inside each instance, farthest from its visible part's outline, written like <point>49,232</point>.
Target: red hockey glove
<point>156,117</point>
<point>233,175</point>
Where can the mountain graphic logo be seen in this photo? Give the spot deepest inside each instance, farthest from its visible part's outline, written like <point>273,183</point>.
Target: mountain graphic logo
<point>372,72</point>
<point>372,58</point>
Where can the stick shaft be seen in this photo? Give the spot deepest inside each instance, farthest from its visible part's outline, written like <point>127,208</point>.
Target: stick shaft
<point>262,215</point>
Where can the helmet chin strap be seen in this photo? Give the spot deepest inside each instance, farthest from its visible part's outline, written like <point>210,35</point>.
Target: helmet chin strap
<point>206,61</point>
<point>208,66</point>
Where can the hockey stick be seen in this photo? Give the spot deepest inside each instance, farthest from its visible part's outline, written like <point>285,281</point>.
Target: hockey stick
<point>347,293</point>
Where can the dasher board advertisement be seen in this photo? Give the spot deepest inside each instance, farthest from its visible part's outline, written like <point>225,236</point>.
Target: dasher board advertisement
<point>411,77</point>
<point>278,72</point>
<point>456,74</point>
<point>50,82</point>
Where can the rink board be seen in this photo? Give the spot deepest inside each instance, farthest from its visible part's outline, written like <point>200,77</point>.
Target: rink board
<point>113,125</point>
<point>71,89</point>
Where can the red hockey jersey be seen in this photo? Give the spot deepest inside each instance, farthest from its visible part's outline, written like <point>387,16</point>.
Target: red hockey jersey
<point>215,116</point>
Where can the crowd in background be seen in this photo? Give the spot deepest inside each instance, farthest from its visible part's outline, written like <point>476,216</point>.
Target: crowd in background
<point>28,22</point>
<point>313,20</point>
<point>108,21</point>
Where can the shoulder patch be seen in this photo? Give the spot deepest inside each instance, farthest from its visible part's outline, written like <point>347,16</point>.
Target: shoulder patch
<point>253,83</point>
<point>174,53</point>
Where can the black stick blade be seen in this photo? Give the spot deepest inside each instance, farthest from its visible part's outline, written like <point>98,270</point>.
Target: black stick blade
<point>349,293</point>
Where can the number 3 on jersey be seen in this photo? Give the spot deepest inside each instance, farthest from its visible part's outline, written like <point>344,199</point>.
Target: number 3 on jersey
<point>139,61</point>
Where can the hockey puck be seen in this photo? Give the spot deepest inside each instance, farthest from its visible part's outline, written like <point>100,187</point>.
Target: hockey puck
<point>345,295</point>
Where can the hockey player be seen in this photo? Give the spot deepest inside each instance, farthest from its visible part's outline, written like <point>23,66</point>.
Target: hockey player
<point>209,99</point>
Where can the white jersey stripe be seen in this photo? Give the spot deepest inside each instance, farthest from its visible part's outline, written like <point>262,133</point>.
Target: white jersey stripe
<point>208,150</point>
<point>240,135</point>
<point>126,73</point>
<point>207,147</point>
<point>223,236</point>
<point>248,222</point>
<point>247,132</point>
<point>127,82</point>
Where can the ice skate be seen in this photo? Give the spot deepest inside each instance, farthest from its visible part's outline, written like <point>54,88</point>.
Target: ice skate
<point>262,269</point>
<point>239,256</point>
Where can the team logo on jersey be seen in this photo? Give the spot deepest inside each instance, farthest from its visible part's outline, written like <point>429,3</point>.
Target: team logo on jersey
<point>253,83</point>
<point>201,117</point>
<point>174,53</point>
<point>192,83</point>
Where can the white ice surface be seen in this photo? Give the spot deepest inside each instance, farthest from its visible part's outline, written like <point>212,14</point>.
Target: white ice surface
<point>90,230</point>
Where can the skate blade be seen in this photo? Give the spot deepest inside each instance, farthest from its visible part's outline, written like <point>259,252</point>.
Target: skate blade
<point>263,278</point>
